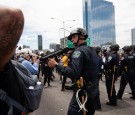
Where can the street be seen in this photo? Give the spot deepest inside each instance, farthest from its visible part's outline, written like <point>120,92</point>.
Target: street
<point>55,102</point>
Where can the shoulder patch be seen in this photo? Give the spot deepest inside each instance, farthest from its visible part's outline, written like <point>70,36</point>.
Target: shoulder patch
<point>109,58</point>
<point>76,54</point>
<point>122,58</point>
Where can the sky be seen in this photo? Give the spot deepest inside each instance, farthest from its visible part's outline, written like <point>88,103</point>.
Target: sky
<point>38,14</point>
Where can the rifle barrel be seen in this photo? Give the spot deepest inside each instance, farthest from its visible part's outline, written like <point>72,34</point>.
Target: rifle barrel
<point>56,53</point>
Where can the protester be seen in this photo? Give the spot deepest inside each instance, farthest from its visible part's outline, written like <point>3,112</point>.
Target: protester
<point>11,27</point>
<point>32,65</point>
<point>65,60</point>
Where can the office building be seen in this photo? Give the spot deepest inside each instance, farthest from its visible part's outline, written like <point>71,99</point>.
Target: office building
<point>63,42</point>
<point>54,46</point>
<point>40,47</point>
<point>99,21</point>
<point>133,36</point>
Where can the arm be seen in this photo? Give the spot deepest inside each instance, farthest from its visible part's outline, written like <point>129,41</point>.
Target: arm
<point>32,68</point>
<point>75,68</point>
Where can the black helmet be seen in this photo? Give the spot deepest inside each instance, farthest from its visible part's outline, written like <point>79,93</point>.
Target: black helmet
<point>133,47</point>
<point>79,31</point>
<point>127,48</point>
<point>97,49</point>
<point>114,47</point>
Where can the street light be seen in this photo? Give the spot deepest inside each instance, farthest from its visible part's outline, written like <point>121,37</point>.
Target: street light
<point>63,23</point>
<point>64,29</point>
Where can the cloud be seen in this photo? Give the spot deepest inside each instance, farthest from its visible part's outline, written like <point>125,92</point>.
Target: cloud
<point>38,15</point>
<point>124,20</point>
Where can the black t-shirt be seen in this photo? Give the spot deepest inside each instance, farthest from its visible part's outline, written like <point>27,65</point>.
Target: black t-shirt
<point>9,83</point>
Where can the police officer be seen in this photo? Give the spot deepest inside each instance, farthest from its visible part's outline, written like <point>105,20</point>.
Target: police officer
<point>133,53</point>
<point>127,66</point>
<point>111,66</point>
<point>84,63</point>
<point>98,51</point>
<point>133,49</point>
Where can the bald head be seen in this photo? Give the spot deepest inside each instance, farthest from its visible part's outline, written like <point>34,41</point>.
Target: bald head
<point>11,27</point>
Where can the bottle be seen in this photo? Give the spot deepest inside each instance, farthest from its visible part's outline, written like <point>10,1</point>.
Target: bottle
<point>31,87</point>
<point>38,83</point>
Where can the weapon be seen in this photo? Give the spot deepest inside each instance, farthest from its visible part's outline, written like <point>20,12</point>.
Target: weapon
<point>112,82</point>
<point>81,82</point>
<point>56,53</point>
<point>83,97</point>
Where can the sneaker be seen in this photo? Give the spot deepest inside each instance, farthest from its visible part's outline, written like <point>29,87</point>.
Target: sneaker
<point>62,89</point>
<point>111,104</point>
<point>132,97</point>
<point>45,86</point>
<point>98,108</point>
<point>49,85</point>
<point>119,98</point>
<point>69,87</point>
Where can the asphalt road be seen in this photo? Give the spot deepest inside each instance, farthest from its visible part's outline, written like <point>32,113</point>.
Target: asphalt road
<point>55,102</point>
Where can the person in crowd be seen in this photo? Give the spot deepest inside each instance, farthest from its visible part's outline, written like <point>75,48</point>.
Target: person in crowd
<point>133,53</point>
<point>65,60</point>
<point>84,63</point>
<point>98,51</point>
<point>11,27</point>
<point>111,66</point>
<point>60,62</point>
<point>47,71</point>
<point>32,65</point>
<point>127,72</point>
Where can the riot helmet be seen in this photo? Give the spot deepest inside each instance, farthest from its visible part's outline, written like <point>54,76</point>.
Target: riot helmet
<point>133,47</point>
<point>114,47</point>
<point>97,49</point>
<point>127,48</point>
<point>79,31</point>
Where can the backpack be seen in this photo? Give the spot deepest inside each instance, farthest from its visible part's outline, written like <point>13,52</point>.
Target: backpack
<point>30,86</point>
<point>12,103</point>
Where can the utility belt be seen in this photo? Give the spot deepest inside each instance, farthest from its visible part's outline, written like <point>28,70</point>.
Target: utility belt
<point>85,92</point>
<point>111,73</point>
<point>128,68</point>
<point>87,84</point>
<point>125,68</point>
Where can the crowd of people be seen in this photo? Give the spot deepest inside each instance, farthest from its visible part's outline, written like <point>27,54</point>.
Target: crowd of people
<point>88,63</point>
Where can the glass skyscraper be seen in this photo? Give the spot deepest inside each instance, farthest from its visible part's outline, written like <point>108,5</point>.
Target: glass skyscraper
<point>133,36</point>
<point>99,21</point>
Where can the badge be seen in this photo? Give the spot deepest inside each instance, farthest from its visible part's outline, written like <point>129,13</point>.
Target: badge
<point>122,58</point>
<point>109,58</point>
<point>76,54</point>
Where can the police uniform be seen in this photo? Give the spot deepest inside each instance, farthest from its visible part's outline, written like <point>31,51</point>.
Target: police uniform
<point>98,103</point>
<point>111,66</point>
<point>84,63</point>
<point>127,65</point>
<point>133,53</point>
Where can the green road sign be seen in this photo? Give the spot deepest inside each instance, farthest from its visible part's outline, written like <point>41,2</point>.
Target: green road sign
<point>88,41</point>
<point>70,44</point>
